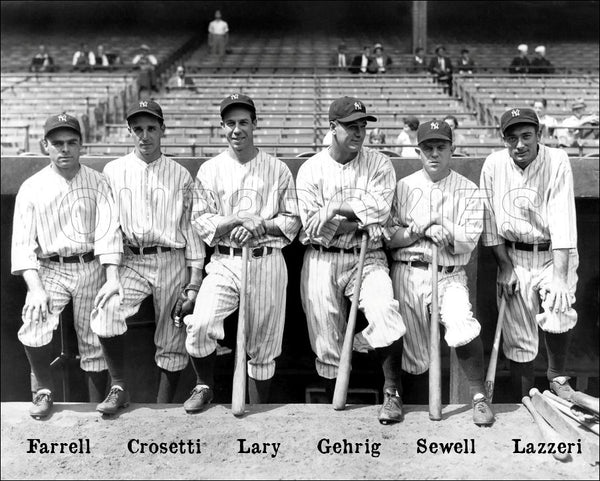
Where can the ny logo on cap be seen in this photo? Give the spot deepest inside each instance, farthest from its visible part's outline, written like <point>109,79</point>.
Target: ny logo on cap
<point>358,106</point>
<point>143,103</point>
<point>434,125</point>
<point>234,96</point>
<point>514,112</point>
<point>62,118</point>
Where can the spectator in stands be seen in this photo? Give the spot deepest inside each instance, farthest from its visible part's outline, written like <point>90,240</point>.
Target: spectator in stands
<point>83,59</point>
<point>380,60</point>
<point>179,80</point>
<point>441,67</point>
<point>407,140</point>
<point>419,62</point>
<point>340,58</point>
<point>101,59</point>
<point>459,139</point>
<point>146,62</point>
<point>540,64</point>
<point>42,61</point>
<point>547,122</point>
<point>377,136</point>
<point>465,63</point>
<point>520,64</point>
<point>218,35</point>
<point>574,134</point>
<point>361,62</point>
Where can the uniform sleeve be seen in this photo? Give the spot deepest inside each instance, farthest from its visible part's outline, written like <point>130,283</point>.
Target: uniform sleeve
<point>373,206</point>
<point>486,185</point>
<point>288,217</point>
<point>108,238</point>
<point>394,223</point>
<point>24,240</point>
<point>310,200</point>
<point>195,252</point>
<point>562,222</point>
<point>469,221</point>
<point>205,207</point>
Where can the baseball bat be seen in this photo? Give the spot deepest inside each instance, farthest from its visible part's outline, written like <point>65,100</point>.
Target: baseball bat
<point>549,435</point>
<point>552,416</point>
<point>491,371</point>
<point>435,361</point>
<point>566,408</point>
<point>343,378</point>
<point>238,392</point>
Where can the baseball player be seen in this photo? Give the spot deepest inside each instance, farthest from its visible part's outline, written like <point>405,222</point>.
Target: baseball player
<point>62,222</point>
<point>163,257</point>
<point>245,197</point>
<point>436,205</point>
<point>531,225</point>
<point>341,190</point>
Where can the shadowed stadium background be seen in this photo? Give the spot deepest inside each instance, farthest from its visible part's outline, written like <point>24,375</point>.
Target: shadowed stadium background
<point>468,23</point>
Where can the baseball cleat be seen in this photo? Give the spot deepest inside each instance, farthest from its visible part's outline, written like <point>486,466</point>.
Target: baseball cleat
<point>201,396</point>
<point>391,409</point>
<point>561,387</point>
<point>117,398</point>
<point>482,413</point>
<point>42,404</point>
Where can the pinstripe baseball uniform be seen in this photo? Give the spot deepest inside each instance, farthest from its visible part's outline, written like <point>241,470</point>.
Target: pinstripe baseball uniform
<point>366,183</point>
<point>535,205</point>
<point>262,186</point>
<point>56,217</point>
<point>153,202</point>
<point>457,199</point>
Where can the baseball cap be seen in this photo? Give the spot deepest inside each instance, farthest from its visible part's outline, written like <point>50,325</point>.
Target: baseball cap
<point>518,116</point>
<point>348,109</point>
<point>377,45</point>
<point>149,107</point>
<point>61,121</point>
<point>578,104</point>
<point>237,99</point>
<point>435,129</point>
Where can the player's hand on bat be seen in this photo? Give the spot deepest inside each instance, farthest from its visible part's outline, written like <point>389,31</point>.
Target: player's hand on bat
<point>316,223</point>
<point>37,306</point>
<point>111,287</point>
<point>420,225</point>
<point>376,232</point>
<point>240,235</point>
<point>439,235</point>
<point>556,296</point>
<point>254,224</point>
<point>507,280</point>
<point>184,305</point>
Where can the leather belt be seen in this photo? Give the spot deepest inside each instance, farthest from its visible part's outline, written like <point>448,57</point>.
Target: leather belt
<point>237,251</point>
<point>80,258</point>
<point>149,250</point>
<point>522,246</point>
<point>425,265</point>
<point>337,250</point>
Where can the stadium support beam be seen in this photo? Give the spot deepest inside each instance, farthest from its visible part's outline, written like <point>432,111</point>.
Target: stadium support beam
<point>419,25</point>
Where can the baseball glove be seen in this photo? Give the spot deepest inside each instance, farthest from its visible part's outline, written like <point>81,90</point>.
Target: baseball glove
<point>184,305</point>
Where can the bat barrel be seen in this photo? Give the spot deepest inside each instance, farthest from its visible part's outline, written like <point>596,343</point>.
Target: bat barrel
<point>238,394</point>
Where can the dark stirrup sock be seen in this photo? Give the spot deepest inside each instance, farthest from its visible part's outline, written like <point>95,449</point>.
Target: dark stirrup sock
<point>39,360</point>
<point>97,383</point>
<point>391,364</point>
<point>470,359</point>
<point>204,367</point>
<point>522,377</point>
<point>557,346</point>
<point>258,391</point>
<point>114,353</point>
<point>167,386</point>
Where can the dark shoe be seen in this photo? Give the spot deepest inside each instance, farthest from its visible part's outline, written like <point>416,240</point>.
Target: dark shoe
<point>117,398</point>
<point>482,413</point>
<point>391,410</point>
<point>42,404</point>
<point>201,396</point>
<point>561,387</point>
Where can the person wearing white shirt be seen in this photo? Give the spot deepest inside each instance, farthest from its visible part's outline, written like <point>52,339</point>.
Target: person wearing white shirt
<point>218,35</point>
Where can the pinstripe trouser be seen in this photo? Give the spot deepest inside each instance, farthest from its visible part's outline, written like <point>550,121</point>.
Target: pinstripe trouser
<point>534,270</point>
<point>412,288</point>
<point>162,275</point>
<point>327,280</point>
<point>63,282</point>
<point>219,297</point>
